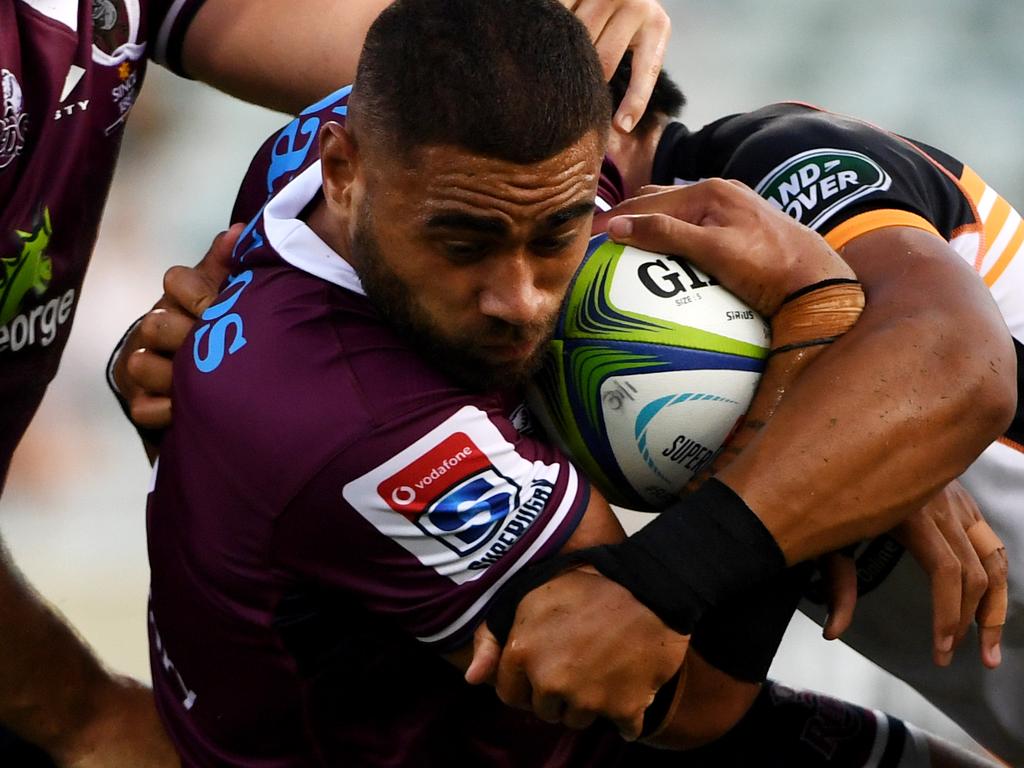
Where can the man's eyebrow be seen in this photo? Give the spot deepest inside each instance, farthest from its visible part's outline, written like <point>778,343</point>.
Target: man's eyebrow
<point>564,216</point>
<point>485,224</point>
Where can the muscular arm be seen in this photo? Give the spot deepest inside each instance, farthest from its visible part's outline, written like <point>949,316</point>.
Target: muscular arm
<point>892,411</point>
<point>281,54</point>
<point>899,386</point>
<point>287,54</point>
<point>56,694</point>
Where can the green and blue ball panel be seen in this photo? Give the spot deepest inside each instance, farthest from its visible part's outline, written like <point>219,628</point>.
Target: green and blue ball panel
<point>651,368</point>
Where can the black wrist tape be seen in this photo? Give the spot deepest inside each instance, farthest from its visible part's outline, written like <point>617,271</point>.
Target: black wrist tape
<point>741,637</point>
<point>700,552</point>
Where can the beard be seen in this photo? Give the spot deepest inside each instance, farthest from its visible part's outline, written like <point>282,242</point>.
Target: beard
<point>458,354</point>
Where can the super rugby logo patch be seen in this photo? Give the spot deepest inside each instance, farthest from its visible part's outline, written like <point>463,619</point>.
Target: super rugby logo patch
<point>458,499</point>
<point>453,493</point>
<point>814,185</point>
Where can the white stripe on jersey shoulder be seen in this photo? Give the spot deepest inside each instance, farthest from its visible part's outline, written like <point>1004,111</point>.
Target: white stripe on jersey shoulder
<point>1001,241</point>
<point>64,11</point>
<point>298,244</point>
<point>967,246</point>
<point>565,506</point>
<point>164,34</point>
<point>881,739</point>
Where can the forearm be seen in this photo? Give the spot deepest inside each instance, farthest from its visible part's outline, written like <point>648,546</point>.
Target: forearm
<point>280,54</point>
<point>891,412</point>
<point>49,679</point>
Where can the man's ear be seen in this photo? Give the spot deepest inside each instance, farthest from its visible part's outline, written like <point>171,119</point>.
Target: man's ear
<point>339,157</point>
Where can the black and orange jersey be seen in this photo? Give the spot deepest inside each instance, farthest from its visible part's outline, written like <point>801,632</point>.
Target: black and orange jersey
<point>844,177</point>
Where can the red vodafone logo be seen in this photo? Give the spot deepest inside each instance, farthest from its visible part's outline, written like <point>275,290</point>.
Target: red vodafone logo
<point>411,490</point>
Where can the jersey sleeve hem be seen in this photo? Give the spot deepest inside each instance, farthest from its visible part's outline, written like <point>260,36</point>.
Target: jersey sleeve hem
<point>870,221</point>
<point>170,36</point>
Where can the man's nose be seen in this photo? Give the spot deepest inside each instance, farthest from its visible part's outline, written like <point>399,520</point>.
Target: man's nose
<point>511,292</point>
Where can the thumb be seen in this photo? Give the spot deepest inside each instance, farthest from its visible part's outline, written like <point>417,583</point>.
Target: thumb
<point>486,654</point>
<point>217,261</point>
<point>190,290</point>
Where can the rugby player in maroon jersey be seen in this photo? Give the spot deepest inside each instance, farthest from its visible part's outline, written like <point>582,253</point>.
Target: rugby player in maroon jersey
<point>326,494</point>
<point>70,73</point>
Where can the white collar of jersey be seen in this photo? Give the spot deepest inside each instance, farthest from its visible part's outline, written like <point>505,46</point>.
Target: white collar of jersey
<point>296,243</point>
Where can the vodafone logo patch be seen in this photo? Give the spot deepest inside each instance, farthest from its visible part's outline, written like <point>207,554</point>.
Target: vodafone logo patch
<point>461,498</point>
<point>411,490</point>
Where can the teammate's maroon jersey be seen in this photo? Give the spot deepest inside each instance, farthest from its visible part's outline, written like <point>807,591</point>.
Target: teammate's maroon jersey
<point>330,513</point>
<point>70,71</point>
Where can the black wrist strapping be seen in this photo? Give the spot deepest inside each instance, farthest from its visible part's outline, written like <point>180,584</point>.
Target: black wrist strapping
<point>698,553</point>
<point>740,637</point>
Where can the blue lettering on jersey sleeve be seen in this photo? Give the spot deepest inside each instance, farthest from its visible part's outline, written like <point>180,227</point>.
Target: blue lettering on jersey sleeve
<point>287,155</point>
<point>221,322</point>
<point>326,101</point>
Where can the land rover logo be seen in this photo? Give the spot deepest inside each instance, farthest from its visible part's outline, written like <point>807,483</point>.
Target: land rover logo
<point>814,185</point>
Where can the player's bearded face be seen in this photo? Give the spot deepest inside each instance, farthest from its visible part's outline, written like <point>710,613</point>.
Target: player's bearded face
<point>469,256</point>
<point>462,352</point>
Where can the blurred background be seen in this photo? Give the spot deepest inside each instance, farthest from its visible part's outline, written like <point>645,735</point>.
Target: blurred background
<point>947,73</point>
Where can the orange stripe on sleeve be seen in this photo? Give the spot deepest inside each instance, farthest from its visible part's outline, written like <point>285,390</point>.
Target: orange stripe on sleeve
<point>1000,266</point>
<point>972,184</point>
<point>995,220</point>
<point>872,220</point>
<point>1011,444</point>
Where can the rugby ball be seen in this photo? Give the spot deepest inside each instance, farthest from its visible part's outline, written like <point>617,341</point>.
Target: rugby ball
<point>651,368</point>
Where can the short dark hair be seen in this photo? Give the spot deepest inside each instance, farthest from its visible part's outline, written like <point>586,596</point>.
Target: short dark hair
<point>666,99</point>
<point>518,80</point>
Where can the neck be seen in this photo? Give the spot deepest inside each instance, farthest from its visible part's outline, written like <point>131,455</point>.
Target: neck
<point>633,154</point>
<point>326,227</point>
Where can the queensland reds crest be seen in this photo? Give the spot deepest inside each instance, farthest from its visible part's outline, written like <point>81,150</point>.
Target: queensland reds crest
<point>452,493</point>
<point>13,119</point>
<point>110,25</point>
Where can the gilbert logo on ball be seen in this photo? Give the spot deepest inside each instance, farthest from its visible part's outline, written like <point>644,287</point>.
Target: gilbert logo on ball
<point>651,368</point>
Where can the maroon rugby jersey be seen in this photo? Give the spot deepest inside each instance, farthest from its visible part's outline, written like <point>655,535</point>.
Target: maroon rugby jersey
<point>330,513</point>
<point>70,71</point>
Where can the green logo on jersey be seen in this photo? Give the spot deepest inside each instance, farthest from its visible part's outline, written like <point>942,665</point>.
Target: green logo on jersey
<point>30,270</point>
<point>814,185</point>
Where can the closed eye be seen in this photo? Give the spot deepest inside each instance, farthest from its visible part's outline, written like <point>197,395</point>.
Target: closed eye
<point>464,251</point>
